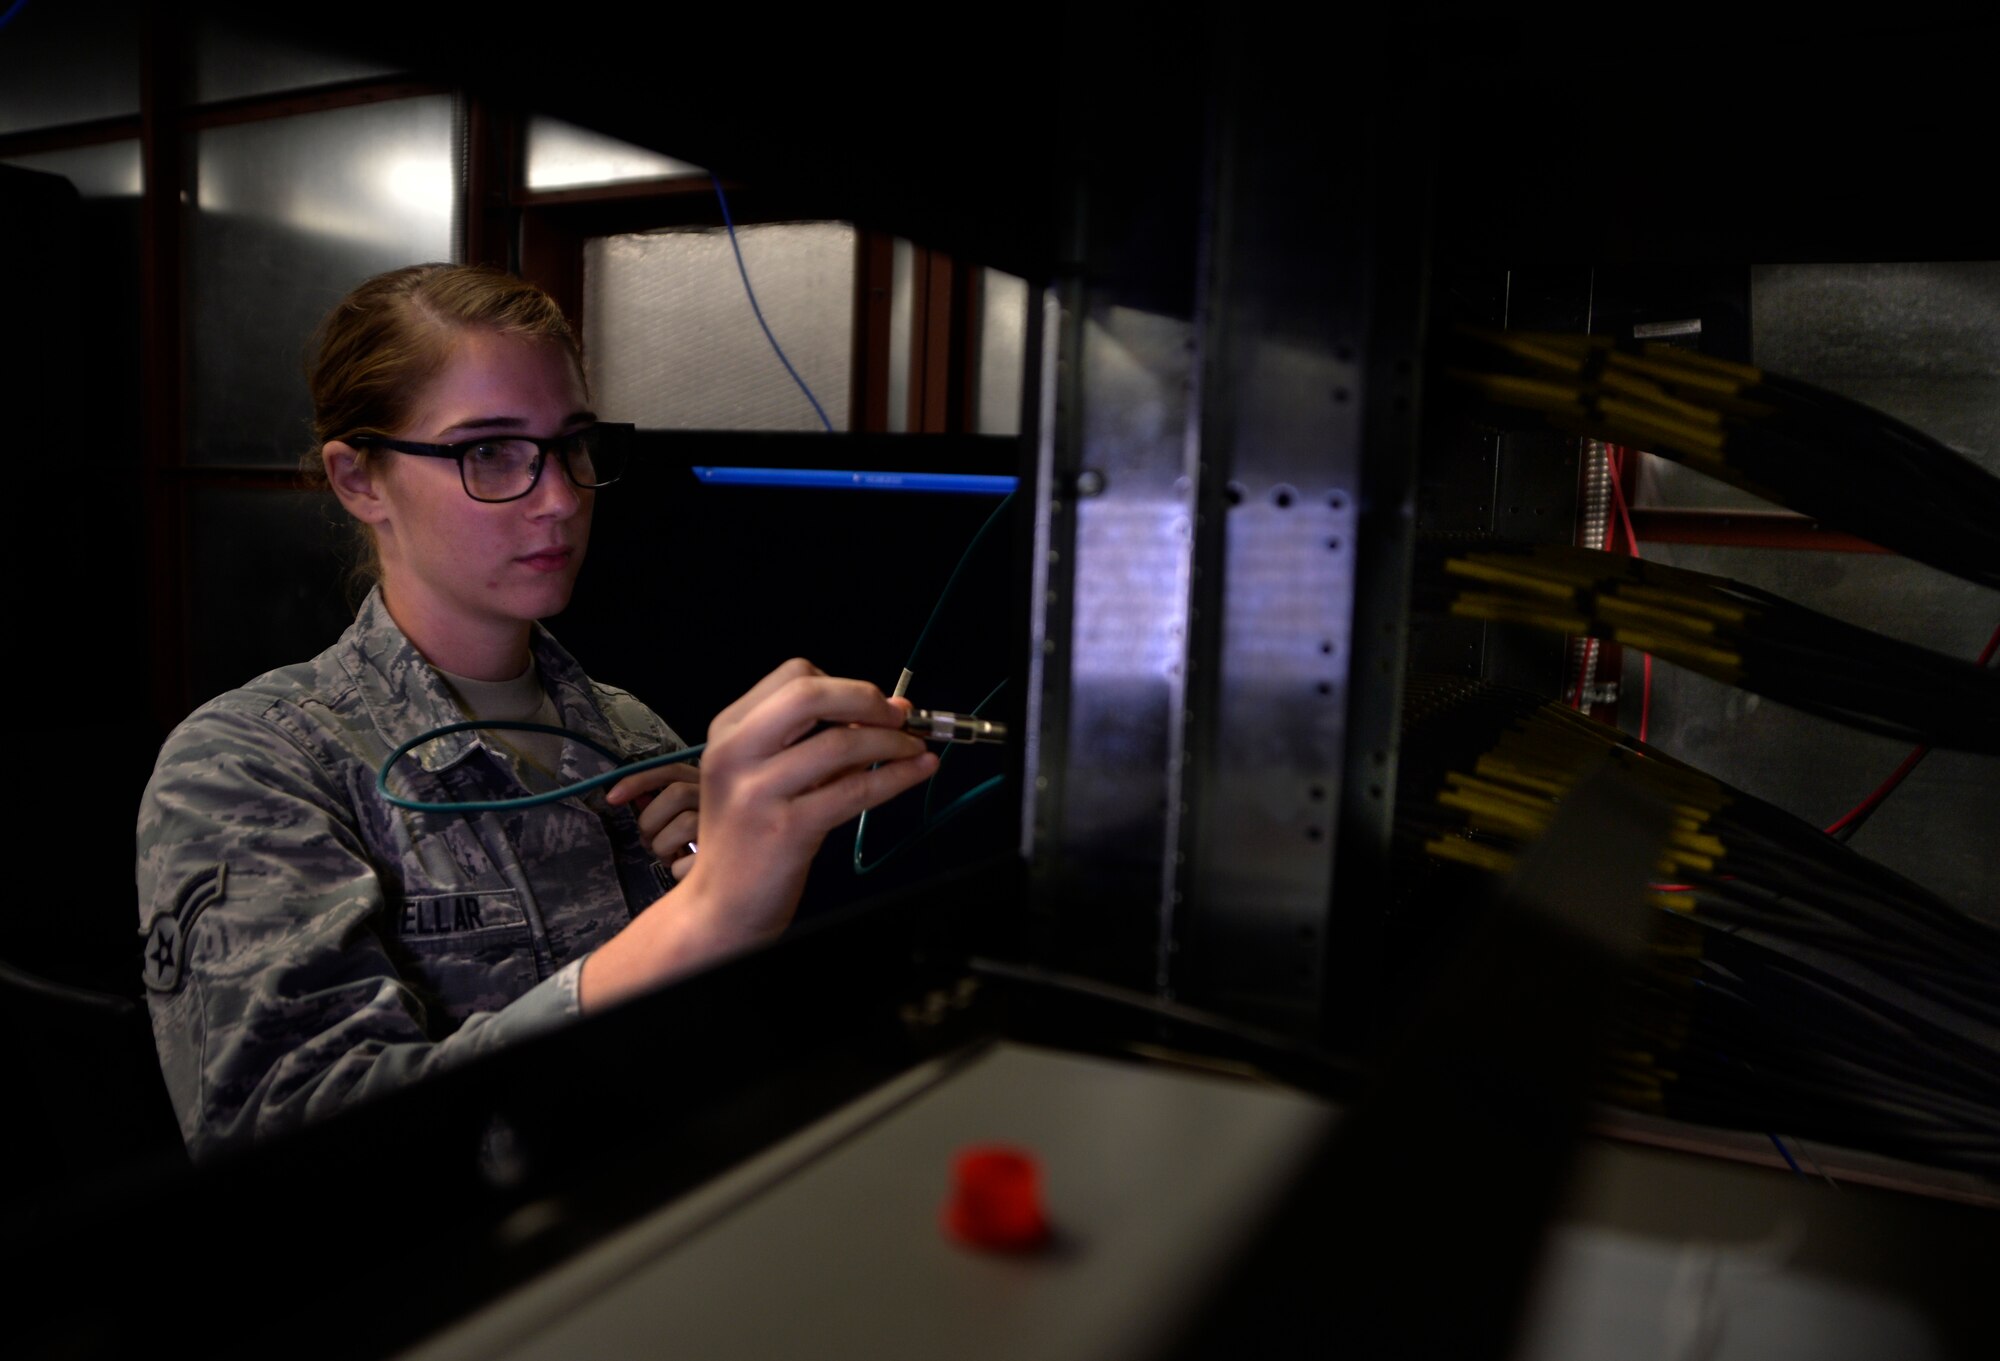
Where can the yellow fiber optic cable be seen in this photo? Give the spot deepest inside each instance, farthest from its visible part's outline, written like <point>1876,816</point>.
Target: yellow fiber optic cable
<point>1695,359</point>
<point>1617,610</point>
<point>1715,609</point>
<point>1483,568</point>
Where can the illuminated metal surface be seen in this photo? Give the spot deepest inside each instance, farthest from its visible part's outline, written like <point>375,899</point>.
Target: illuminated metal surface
<point>1115,546</point>
<point>1263,851</point>
<point>1203,510</point>
<point>1285,346</point>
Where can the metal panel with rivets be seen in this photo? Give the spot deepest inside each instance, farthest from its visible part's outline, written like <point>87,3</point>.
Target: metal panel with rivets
<point>1203,511</point>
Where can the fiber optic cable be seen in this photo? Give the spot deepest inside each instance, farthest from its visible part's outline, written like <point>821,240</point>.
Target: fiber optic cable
<point>928,824</point>
<point>933,725</point>
<point>1801,988</point>
<point>1776,437</point>
<point>1724,629</point>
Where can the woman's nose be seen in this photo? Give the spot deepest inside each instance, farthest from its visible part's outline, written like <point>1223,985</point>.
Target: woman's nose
<point>555,496</point>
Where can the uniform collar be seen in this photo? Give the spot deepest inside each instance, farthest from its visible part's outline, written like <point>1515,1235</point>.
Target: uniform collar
<point>405,695</point>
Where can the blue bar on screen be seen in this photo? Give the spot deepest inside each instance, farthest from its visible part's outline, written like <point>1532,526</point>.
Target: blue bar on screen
<point>978,484</point>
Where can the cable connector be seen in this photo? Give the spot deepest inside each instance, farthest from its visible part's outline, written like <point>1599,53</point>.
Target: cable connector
<point>941,725</point>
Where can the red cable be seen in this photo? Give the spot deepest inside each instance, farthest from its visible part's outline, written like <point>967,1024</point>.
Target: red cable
<point>1645,694</point>
<point>1896,777</point>
<point>1882,791</point>
<point>1612,453</point>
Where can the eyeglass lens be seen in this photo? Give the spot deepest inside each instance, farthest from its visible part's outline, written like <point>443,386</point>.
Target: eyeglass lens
<point>502,469</point>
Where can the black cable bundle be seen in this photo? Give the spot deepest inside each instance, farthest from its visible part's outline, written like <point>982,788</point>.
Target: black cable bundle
<point>1841,462</point>
<point>1721,628</point>
<point>1795,987</point>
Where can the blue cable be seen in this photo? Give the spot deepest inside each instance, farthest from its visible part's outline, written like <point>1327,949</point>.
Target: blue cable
<point>530,800</point>
<point>970,484</point>
<point>1783,1154</point>
<point>723,199</point>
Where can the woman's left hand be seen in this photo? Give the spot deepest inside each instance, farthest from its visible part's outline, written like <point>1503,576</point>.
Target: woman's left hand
<point>668,801</point>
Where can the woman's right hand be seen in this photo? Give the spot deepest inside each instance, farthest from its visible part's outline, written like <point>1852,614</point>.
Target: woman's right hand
<point>801,753</point>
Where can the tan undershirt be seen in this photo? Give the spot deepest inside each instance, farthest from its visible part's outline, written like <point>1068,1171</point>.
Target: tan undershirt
<point>519,700</point>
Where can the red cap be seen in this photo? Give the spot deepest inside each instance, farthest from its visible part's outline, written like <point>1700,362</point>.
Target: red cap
<point>996,1199</point>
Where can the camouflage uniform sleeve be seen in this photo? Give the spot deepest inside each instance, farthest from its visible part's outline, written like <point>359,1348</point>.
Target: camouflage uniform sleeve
<point>273,999</point>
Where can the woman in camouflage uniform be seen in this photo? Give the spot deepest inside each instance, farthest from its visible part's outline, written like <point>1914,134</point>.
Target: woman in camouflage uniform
<point>310,945</point>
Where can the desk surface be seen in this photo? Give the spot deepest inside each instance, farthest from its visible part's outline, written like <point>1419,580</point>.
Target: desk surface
<point>831,1244</point>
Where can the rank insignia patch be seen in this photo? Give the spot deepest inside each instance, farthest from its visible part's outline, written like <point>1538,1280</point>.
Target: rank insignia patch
<point>167,936</point>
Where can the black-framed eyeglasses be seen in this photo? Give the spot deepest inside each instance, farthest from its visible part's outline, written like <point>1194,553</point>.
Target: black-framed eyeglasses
<point>507,467</point>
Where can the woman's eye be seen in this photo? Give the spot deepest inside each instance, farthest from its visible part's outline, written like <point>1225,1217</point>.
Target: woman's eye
<point>486,453</point>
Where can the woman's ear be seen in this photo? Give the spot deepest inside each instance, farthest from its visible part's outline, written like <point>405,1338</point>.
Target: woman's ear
<point>353,479</point>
